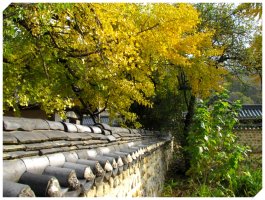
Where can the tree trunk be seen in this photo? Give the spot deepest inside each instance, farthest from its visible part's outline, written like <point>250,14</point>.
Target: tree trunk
<point>187,125</point>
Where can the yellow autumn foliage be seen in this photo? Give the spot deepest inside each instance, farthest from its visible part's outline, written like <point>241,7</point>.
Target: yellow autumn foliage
<point>109,52</point>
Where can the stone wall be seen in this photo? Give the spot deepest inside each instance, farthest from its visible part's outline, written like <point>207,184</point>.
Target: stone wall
<point>143,179</point>
<point>251,137</point>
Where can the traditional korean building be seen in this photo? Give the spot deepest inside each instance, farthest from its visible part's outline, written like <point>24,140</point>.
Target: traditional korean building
<point>249,127</point>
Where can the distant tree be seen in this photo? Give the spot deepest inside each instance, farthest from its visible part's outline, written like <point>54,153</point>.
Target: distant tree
<point>239,96</point>
<point>253,61</point>
<point>250,9</point>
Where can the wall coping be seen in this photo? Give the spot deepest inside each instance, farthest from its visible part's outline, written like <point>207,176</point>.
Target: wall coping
<point>68,157</point>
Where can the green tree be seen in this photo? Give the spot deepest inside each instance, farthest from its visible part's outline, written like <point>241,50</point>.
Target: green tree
<point>214,154</point>
<point>253,61</point>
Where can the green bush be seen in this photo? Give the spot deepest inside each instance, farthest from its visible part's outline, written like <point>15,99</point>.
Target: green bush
<point>214,153</point>
<point>248,181</point>
<point>220,167</point>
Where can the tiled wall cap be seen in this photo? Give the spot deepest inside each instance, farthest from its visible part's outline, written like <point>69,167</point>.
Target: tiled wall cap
<point>10,126</point>
<point>82,171</point>
<point>55,125</point>
<point>68,127</point>
<point>103,150</point>
<point>91,156</point>
<point>57,159</point>
<point>82,154</point>
<point>91,152</point>
<point>96,129</point>
<point>82,129</point>
<point>25,124</point>
<point>36,164</point>
<point>106,132</point>
<point>66,177</point>
<point>13,189</point>
<point>41,124</point>
<point>116,130</point>
<point>42,185</point>
<point>13,169</point>
<point>103,126</point>
<point>70,156</point>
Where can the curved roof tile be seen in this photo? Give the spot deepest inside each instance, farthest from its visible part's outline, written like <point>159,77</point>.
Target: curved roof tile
<point>40,155</point>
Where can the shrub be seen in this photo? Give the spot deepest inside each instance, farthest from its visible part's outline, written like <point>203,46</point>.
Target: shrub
<point>214,153</point>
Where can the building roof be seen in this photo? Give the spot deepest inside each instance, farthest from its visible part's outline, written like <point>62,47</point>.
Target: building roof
<point>250,112</point>
<point>47,158</point>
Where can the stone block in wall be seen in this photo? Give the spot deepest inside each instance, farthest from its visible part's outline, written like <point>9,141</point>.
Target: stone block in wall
<point>126,173</point>
<point>116,180</point>
<point>91,192</point>
<point>100,190</point>
<point>143,178</point>
<point>111,182</point>
<point>131,170</point>
<point>106,188</point>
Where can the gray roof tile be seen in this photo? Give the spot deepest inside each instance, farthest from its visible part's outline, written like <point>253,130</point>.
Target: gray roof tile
<point>111,138</point>
<point>41,124</point>
<point>19,123</point>
<point>95,129</point>
<point>6,156</point>
<point>69,127</point>
<point>71,148</point>
<point>82,129</point>
<point>97,136</point>
<point>38,146</point>
<point>8,148</point>
<point>70,156</point>
<point>106,132</point>
<point>28,137</point>
<point>18,168</point>
<point>95,142</point>
<point>53,146</point>
<point>250,112</point>
<point>49,151</point>
<point>10,126</point>
<point>54,134</point>
<point>77,136</point>
<point>13,189</point>
<point>36,164</point>
<point>9,139</point>
<point>22,154</point>
<point>57,159</point>
<point>103,126</point>
<point>55,125</point>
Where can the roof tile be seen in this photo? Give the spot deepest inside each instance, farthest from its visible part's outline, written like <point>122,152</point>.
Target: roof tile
<point>22,154</point>
<point>69,127</point>
<point>77,136</point>
<point>95,129</point>
<point>36,164</point>
<point>55,125</point>
<point>49,151</point>
<point>10,123</point>
<point>82,129</point>
<point>8,148</point>
<point>54,134</point>
<point>9,139</point>
<point>18,168</point>
<point>28,137</point>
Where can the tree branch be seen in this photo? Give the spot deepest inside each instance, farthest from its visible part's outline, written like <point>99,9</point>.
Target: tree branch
<point>148,29</point>
<point>102,110</point>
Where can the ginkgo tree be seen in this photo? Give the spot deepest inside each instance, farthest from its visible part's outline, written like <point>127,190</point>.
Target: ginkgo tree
<point>91,57</point>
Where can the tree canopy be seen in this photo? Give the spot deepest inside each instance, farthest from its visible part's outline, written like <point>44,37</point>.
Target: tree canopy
<point>91,57</point>
<point>97,56</point>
